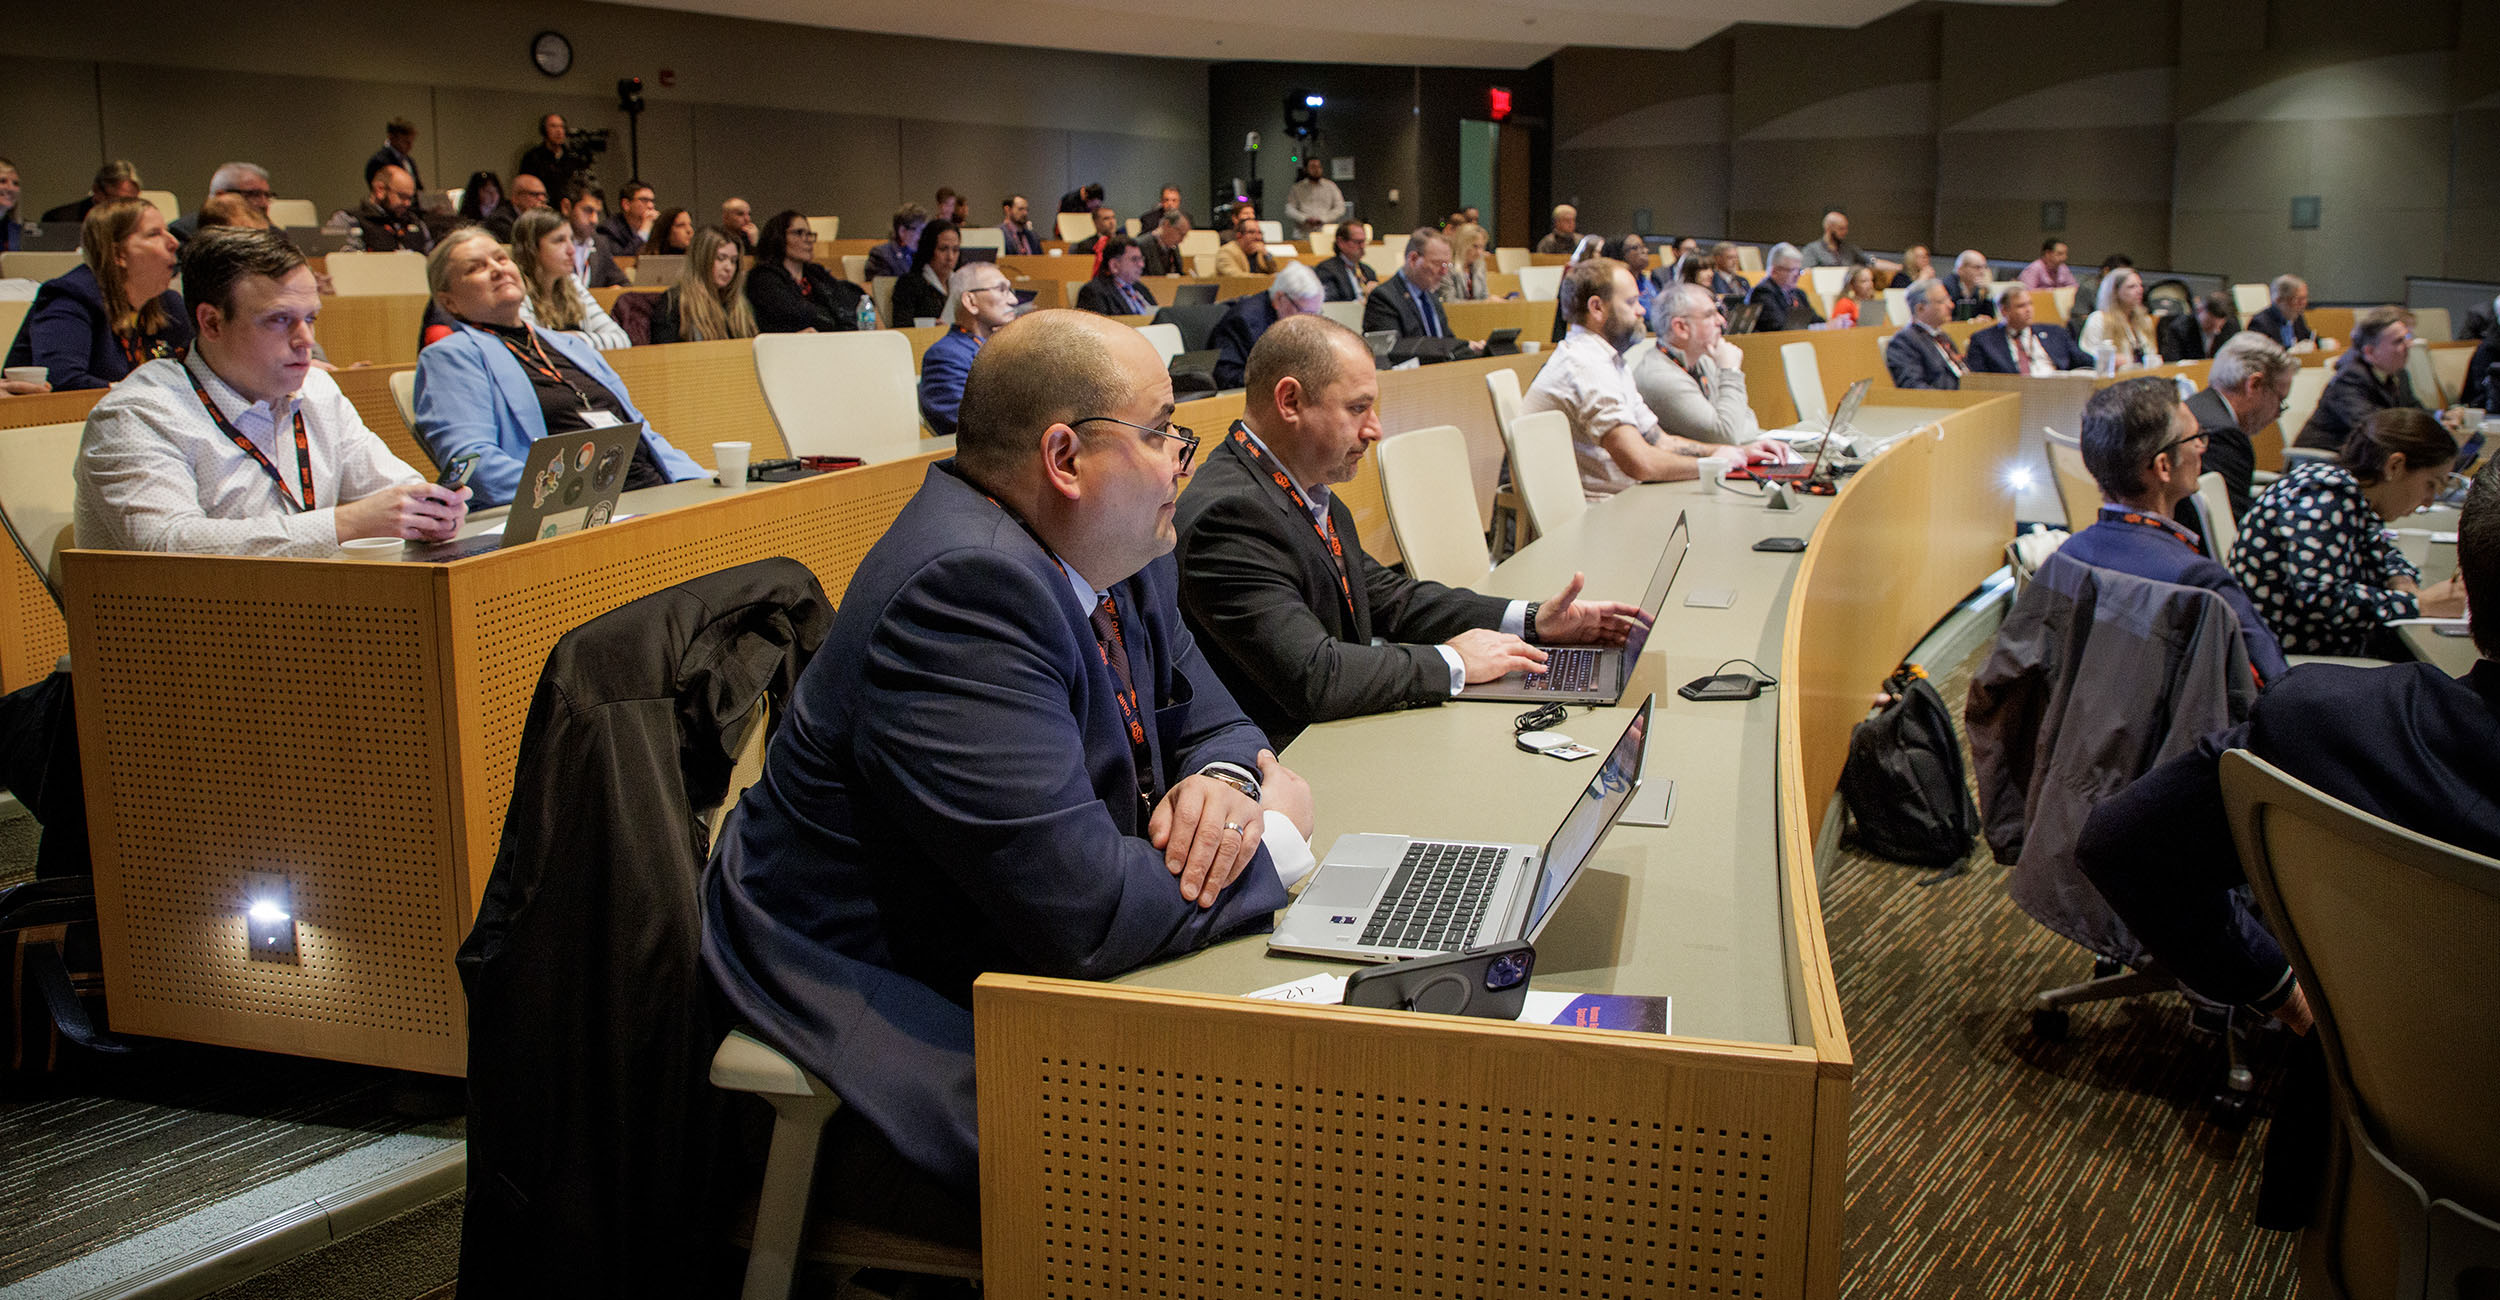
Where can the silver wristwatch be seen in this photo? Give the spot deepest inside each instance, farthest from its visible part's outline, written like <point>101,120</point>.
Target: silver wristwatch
<point>1234,775</point>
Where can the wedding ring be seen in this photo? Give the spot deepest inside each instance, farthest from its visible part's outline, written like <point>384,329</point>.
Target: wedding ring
<point>1234,827</point>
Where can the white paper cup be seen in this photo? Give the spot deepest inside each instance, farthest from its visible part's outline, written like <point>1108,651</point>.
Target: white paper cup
<point>27,374</point>
<point>373,550</point>
<point>1531,345</point>
<point>1713,473</point>
<point>731,460</point>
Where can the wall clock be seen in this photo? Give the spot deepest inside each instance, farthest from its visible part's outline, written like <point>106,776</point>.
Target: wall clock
<point>551,53</point>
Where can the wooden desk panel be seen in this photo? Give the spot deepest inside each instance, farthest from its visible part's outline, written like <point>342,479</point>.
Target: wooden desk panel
<point>32,636</point>
<point>1478,320</point>
<point>606,298</point>
<point>369,391</point>
<point>378,328</point>
<point>49,408</point>
<point>696,394</point>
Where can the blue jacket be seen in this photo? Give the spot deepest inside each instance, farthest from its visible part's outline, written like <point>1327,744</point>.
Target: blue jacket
<point>2161,552</point>
<point>1991,353</point>
<point>951,791</point>
<point>69,333</point>
<point>942,372</point>
<point>472,396</point>
<point>1244,321</point>
<point>1916,362</point>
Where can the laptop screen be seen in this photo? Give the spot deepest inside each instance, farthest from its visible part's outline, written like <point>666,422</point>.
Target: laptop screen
<point>1588,820</point>
<point>1655,599</point>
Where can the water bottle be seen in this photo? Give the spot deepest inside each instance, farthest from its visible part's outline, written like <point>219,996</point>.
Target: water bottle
<point>867,317</point>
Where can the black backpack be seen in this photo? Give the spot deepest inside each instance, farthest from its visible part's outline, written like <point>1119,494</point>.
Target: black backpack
<point>1905,784</point>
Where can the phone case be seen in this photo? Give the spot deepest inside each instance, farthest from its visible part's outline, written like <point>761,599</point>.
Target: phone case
<point>1491,982</point>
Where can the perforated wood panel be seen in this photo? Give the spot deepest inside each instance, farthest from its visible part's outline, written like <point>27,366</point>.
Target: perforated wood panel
<point>1182,1145</point>
<point>32,635</point>
<point>242,718</point>
<point>696,394</point>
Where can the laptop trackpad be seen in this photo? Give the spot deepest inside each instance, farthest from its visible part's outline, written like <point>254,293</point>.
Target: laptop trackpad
<point>1344,888</point>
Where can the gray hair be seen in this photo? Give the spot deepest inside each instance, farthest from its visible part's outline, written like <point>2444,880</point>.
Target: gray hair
<point>1782,254</point>
<point>231,177</point>
<point>1296,281</point>
<point>2011,288</point>
<point>2284,284</point>
<point>1967,256</point>
<point>2124,427</point>
<point>961,281</point>
<point>1683,298</point>
<point>2249,355</point>
<point>1917,292</point>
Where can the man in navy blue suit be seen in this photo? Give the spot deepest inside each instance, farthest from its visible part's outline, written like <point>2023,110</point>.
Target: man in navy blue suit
<point>1296,292</point>
<point>1922,355</point>
<point>1008,755</point>
<point>2017,346</point>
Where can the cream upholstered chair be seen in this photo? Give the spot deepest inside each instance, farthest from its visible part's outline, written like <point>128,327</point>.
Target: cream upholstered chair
<point>37,266</point>
<point>983,237</point>
<point>1511,261</point>
<point>1543,470</point>
<point>2222,531</point>
<point>1074,226</point>
<point>2373,917</point>
<point>1167,340</point>
<point>2431,325</point>
<point>1424,479</point>
<point>1384,260</point>
<point>2063,296</point>
<point>826,228</point>
<point>1805,383</point>
<point>1897,307</point>
<point>1273,232</point>
<point>1202,265</point>
<point>1348,313</point>
<point>2075,485</point>
<point>1503,387</point>
<point>363,274</point>
<point>1748,258</point>
<point>2425,376</point>
<point>1541,283</point>
<point>2308,385</point>
<point>38,497</point>
<point>1827,281</point>
<point>404,396</point>
<point>2251,299</point>
<point>845,394</point>
<point>855,268</point>
<point>881,292</point>
<point>300,214</point>
<point>164,201</point>
<point>1201,241</point>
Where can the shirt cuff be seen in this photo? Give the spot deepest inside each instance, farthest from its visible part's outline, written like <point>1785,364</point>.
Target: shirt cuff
<point>1458,668</point>
<point>1286,848</point>
<point>2273,998</point>
<point>1514,619</point>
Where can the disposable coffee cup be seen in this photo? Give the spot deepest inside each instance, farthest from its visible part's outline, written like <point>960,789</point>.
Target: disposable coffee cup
<point>373,549</point>
<point>731,460</point>
<point>1531,345</point>
<point>27,374</point>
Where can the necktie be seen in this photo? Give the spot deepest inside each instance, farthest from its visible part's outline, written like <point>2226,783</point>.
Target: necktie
<point>2022,349</point>
<point>1423,306</point>
<point>1951,356</point>
<point>1107,632</point>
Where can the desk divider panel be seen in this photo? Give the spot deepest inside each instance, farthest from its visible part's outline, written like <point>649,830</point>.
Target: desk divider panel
<point>369,391</point>
<point>380,328</point>
<point>33,636</point>
<point>696,394</point>
<point>1140,1142</point>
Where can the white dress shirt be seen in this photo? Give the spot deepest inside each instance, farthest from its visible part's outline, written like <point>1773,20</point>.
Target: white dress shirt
<point>2028,353</point>
<point>154,473</point>
<point>1590,382</point>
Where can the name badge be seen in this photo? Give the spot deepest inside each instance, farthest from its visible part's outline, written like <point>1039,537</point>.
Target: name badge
<point>600,420</point>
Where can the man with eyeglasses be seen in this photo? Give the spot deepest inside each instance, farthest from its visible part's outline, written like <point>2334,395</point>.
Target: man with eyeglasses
<point>1008,755</point>
<point>984,303</point>
<point>1695,380</point>
<point>1404,302</point>
<point>247,181</point>
<point>2250,385</point>
<point>2146,451</point>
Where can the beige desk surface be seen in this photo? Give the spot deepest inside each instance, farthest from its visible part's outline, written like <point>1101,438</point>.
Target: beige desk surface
<point>2453,654</point>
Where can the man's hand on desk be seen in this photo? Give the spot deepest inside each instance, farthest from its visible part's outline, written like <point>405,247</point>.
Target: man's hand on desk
<point>425,512</point>
<point>1208,831</point>
<point>1569,620</point>
<point>1487,655</point>
<point>1282,790</point>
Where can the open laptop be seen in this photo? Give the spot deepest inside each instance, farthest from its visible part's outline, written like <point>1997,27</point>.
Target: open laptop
<point>1381,342</point>
<point>1192,295</point>
<point>58,237</point>
<point>569,482</point>
<point>1808,471</point>
<point>1742,317</point>
<point>659,268</point>
<point>1593,674</point>
<point>1383,897</point>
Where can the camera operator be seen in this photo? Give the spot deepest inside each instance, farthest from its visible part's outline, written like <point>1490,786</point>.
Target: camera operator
<point>559,157</point>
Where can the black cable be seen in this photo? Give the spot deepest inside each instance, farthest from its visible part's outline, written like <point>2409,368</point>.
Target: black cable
<point>1765,678</point>
<point>1539,719</point>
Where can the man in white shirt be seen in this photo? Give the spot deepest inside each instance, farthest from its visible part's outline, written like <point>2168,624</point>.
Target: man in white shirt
<point>246,448</point>
<point>1314,200</point>
<point>1614,435</point>
<point>1694,381</point>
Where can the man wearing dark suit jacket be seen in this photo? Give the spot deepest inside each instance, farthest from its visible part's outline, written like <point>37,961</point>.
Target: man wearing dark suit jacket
<point>2480,320</point>
<point>1247,319</point>
<point>2368,379</point>
<point>2197,335</point>
<point>1920,355</point>
<point>1344,276</point>
<point>1009,754</point>
<point>1162,245</point>
<point>1783,304</point>
<point>1405,303</point>
<point>2017,346</point>
<point>2252,377</point>
<point>1116,291</point>
<point>399,143</point>
<point>2286,319</point>
<point>1279,590</point>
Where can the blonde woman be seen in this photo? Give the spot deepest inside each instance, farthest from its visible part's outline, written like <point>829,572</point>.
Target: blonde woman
<point>1466,281</point>
<point>542,248</point>
<point>1858,302</point>
<point>709,300</point>
<point>2121,322</point>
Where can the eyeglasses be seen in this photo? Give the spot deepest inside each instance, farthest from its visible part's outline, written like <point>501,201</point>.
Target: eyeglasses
<point>1188,439</point>
<point>2198,436</point>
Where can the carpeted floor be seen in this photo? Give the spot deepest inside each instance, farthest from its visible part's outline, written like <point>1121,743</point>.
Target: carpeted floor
<point>1985,1162</point>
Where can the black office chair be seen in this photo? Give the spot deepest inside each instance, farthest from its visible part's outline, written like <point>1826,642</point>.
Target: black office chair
<point>1195,320</point>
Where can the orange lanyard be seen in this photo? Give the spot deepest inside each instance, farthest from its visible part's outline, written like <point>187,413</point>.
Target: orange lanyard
<point>537,362</point>
<point>1325,526</point>
<point>303,448</point>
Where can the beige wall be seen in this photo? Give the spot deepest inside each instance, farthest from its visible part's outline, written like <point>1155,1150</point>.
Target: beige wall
<point>840,123</point>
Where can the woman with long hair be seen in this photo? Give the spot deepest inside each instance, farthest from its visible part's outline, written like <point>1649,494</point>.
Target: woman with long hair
<point>542,248</point>
<point>673,234</point>
<point>2120,320</point>
<point>709,300</point>
<point>115,312</point>
<point>791,291</point>
<point>1467,280</point>
<point>481,203</point>
<point>1857,302</point>
<point>921,293</point>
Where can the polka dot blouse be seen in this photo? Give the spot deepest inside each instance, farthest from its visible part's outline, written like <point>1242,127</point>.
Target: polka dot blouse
<point>2317,561</point>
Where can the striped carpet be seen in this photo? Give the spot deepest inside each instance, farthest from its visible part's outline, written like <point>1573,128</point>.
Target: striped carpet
<point>1985,1162</point>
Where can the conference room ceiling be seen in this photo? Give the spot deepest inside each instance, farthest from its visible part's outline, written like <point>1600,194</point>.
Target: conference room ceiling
<point>1478,34</point>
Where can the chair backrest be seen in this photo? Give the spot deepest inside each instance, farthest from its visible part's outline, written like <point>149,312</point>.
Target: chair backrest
<point>881,291</point>
<point>1431,495</point>
<point>2390,934</point>
<point>2250,299</point>
<point>1805,381</point>
<point>1195,321</point>
<point>1882,341</point>
<point>1323,241</point>
<point>1826,281</point>
<point>1511,261</point>
<point>302,214</point>
<point>843,394</point>
<point>2431,324</point>
<point>1167,340</point>
<point>164,200</point>
<point>2075,486</point>
<point>1074,226</point>
<point>359,274</point>
<point>2222,531</point>
<point>855,268</point>
<point>1132,225</point>
<point>1543,469</point>
<point>2308,385</point>
<point>983,237</point>
<point>1202,265</point>
<point>1383,260</point>
<point>827,228</point>
<point>2425,376</point>
<point>1541,283</point>
<point>404,396</point>
<point>1897,307</point>
<point>1748,258</point>
<point>2063,296</point>
<point>1272,231</point>
<point>37,266</point>
<point>1201,241</point>
<point>1503,386</point>
<point>1348,313</point>
<point>37,492</point>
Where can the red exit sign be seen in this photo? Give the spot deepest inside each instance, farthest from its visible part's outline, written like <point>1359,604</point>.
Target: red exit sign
<point>1500,97</point>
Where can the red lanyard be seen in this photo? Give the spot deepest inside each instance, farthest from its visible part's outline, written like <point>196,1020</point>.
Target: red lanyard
<point>537,362</point>
<point>303,448</point>
<point>1325,526</point>
<point>2142,520</point>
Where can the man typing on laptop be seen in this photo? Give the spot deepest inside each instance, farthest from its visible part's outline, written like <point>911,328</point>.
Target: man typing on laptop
<point>1280,592</point>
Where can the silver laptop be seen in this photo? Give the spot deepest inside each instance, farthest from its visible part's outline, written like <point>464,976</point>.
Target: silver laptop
<point>1383,897</point>
<point>569,482</point>
<point>1593,674</point>
<point>659,268</point>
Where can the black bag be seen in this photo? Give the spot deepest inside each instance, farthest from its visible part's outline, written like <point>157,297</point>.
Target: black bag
<point>1905,784</point>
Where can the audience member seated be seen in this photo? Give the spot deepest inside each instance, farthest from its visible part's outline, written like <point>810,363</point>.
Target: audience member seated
<point>2314,552</point>
<point>2015,345</point>
<point>1115,291</point>
<point>2401,742</point>
<point>1247,253</point>
<point>791,292</point>
<point>2086,295</point>
<point>1168,201</point>
<point>1694,381</point>
<point>1834,249</point>
<point>1246,320</point>
<point>2143,447</point>
<point>388,220</point>
<point>1298,620</point>
<point>1162,248</point>
<point>894,257</point>
<point>949,206</point>
<point>2049,269</point>
<point>113,313</point>
<point>1970,285</point>
<point>1783,304</point>
<point>1858,302</point>
<point>1727,276</point>
<point>984,303</point>
<point>1314,201</point>
<point>529,194</point>
<point>229,210</point>
<point>737,220</point>
<point>970,749</point>
<point>582,206</point>
<point>628,228</point>
<point>921,294</point>
<point>1015,226</point>
<point>399,149</point>
<point>11,187</point>
<point>542,249</point>
<point>2119,321</point>
<point>1633,252</point>
<point>2250,382</point>
<point>496,384</point>
<point>1470,268</point>
<point>246,447</point>
<point>1921,354</point>
<point>2482,376</point>
<point>248,182</point>
<point>2197,335</point>
<point>554,160</point>
<point>672,234</point>
<point>709,300</point>
<point>1106,224</point>
<point>481,204</point>
<point>2369,377</point>
<point>1615,437</point>
<point>1678,256</point>
<point>1405,301</point>
<point>1565,235</point>
<point>2285,317</point>
<point>114,181</point>
<point>1345,277</point>
<point>1916,265</point>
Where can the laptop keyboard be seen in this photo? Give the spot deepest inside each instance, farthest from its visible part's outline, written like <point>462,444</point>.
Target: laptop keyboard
<point>1566,670</point>
<point>1437,898</point>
